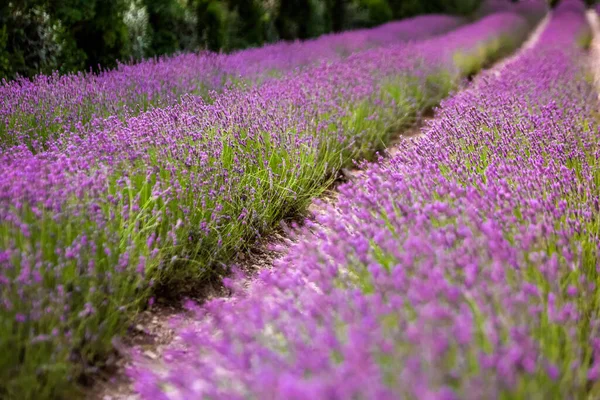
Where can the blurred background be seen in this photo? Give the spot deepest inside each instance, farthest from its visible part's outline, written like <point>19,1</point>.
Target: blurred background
<point>42,36</point>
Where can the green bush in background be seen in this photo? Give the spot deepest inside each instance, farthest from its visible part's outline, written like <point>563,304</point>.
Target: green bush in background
<point>171,26</point>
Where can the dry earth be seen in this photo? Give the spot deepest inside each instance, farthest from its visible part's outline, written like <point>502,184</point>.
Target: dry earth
<point>594,58</point>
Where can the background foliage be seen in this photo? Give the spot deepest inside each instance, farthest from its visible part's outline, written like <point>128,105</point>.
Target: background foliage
<point>42,36</point>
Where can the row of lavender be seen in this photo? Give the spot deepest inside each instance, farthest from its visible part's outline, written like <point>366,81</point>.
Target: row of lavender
<point>34,112</point>
<point>37,111</point>
<point>90,229</point>
<point>466,267</point>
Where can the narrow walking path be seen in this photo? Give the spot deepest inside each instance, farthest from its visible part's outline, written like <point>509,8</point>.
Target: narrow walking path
<point>152,334</point>
<point>594,58</point>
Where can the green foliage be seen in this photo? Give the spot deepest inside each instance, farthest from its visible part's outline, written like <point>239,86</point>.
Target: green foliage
<point>292,20</point>
<point>104,38</point>
<point>212,24</point>
<point>170,25</point>
<point>136,19</point>
<point>5,67</point>
<point>376,12</point>
<point>337,13</point>
<point>554,3</point>
<point>408,8</point>
<point>379,11</point>
<point>29,39</point>
<point>163,17</point>
<point>94,32</point>
<point>250,23</point>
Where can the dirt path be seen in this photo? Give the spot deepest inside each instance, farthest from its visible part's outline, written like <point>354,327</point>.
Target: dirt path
<point>594,58</point>
<point>152,332</point>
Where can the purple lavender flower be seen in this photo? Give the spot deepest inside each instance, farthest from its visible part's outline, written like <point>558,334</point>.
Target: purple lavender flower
<point>98,209</point>
<point>460,268</point>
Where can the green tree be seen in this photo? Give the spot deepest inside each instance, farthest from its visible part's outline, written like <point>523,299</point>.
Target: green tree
<point>28,39</point>
<point>168,26</point>
<point>292,19</point>
<point>250,21</point>
<point>378,12</point>
<point>338,14</point>
<point>211,20</point>
<point>94,32</point>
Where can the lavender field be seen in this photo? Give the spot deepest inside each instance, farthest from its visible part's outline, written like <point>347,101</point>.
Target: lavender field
<point>458,263</point>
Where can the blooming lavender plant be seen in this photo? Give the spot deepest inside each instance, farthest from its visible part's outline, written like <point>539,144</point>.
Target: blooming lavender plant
<point>464,267</point>
<point>91,226</point>
<point>36,111</point>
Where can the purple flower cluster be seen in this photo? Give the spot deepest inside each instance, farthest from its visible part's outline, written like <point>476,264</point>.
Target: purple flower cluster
<point>36,111</point>
<point>466,267</point>
<point>89,227</point>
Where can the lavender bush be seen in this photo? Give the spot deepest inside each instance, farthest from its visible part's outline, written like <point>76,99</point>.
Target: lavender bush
<point>466,267</point>
<point>36,111</point>
<point>90,227</point>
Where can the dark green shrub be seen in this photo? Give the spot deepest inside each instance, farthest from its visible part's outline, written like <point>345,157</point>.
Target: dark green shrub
<point>211,24</point>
